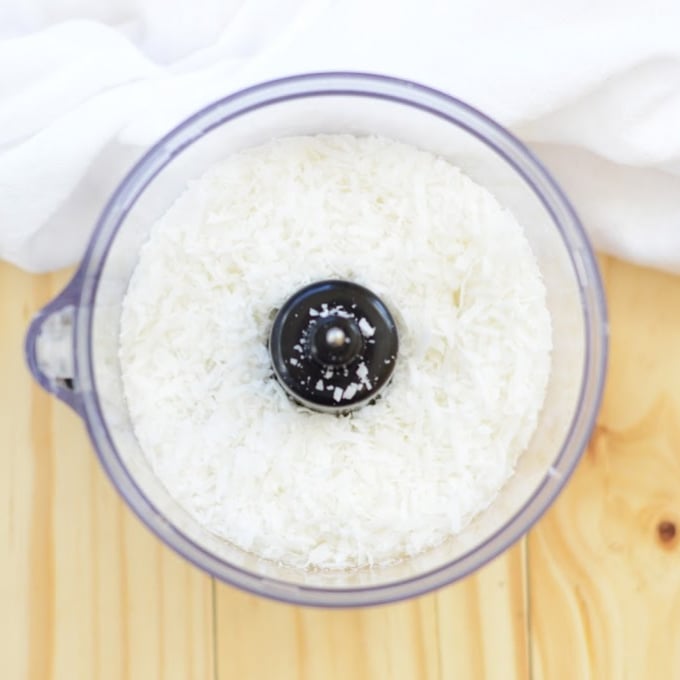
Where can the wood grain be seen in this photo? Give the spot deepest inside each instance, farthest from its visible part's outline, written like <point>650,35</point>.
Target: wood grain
<point>605,561</point>
<point>474,629</point>
<point>87,592</point>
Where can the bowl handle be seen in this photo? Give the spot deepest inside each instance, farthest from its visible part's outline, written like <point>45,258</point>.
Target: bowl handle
<point>50,345</point>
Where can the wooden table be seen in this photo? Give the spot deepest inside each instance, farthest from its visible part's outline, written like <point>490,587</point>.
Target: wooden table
<point>86,592</point>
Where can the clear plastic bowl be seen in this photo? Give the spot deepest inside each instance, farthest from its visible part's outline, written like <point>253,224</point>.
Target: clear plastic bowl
<point>72,344</point>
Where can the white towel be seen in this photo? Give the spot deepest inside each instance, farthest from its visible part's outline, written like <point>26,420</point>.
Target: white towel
<point>593,86</point>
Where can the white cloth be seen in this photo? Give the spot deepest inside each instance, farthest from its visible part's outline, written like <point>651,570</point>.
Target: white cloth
<point>592,85</point>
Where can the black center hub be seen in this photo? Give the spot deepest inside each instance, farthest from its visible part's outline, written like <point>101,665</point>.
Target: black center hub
<point>333,346</point>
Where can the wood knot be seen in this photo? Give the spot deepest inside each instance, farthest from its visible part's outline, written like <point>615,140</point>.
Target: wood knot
<point>666,530</point>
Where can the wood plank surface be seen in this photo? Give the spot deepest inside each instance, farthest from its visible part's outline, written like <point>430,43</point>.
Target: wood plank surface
<point>474,629</point>
<point>87,592</point>
<point>604,563</point>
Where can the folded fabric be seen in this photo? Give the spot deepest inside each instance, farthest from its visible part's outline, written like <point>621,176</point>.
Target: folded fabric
<point>593,88</point>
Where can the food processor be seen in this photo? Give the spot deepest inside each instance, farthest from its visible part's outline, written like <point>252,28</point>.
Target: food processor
<point>72,344</point>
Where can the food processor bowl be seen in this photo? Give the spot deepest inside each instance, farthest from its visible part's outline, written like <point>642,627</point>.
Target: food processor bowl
<point>72,344</point>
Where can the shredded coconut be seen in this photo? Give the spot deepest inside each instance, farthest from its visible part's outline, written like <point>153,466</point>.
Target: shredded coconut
<point>366,329</point>
<point>396,477</point>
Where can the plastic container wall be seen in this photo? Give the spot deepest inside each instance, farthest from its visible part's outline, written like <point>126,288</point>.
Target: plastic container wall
<point>357,104</point>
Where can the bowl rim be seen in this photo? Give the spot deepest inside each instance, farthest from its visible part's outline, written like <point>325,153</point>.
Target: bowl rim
<point>503,143</point>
